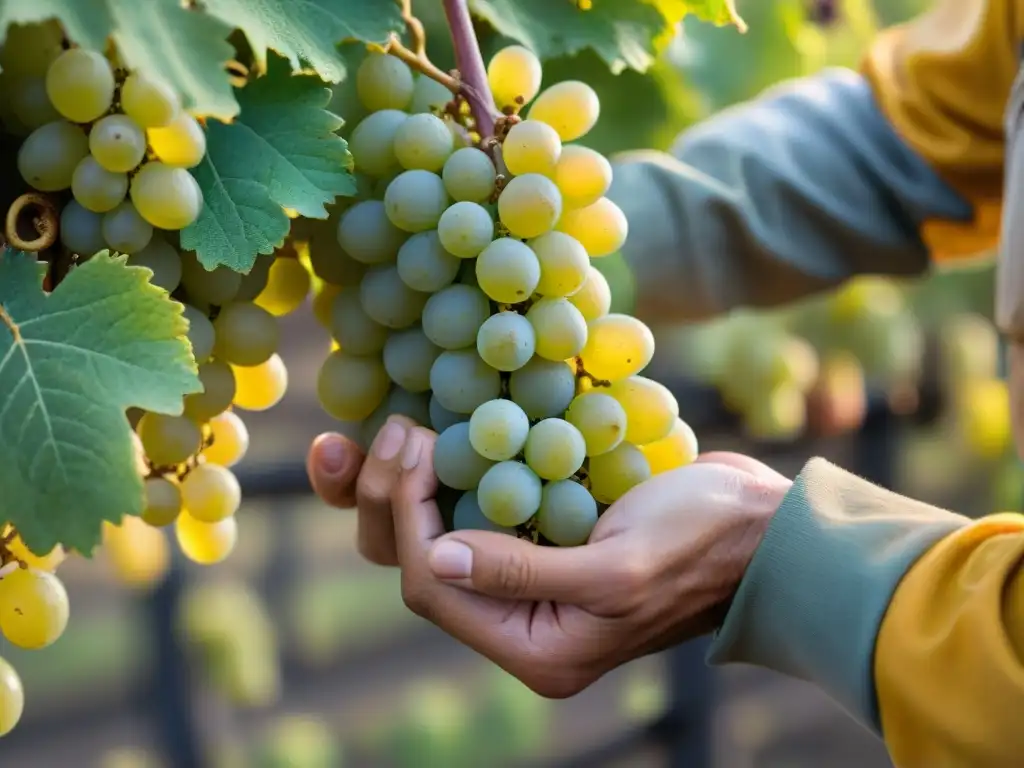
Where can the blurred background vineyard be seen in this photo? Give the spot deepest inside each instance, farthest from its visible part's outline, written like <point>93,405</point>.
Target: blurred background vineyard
<point>301,655</point>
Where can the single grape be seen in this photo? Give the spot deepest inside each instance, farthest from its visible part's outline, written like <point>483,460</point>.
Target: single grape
<point>350,388</point>
<point>509,493</point>
<point>567,514</point>
<point>96,188</point>
<point>373,143</point>
<point>506,341</point>
<point>570,107</point>
<point>508,271</point>
<point>34,608</point>
<point>211,493</point>
<point>163,502</point>
<point>286,286</point>
<point>366,234</point>
<point>564,264</point>
<point>81,230</point>
<point>530,205</point>
<point>428,95</point>
<point>137,553</point>
<point>260,387</point>
<point>29,102</point>
<point>388,300</point>
<point>461,381</point>
<point>651,409</point>
<point>31,48</point>
<point>601,420</point>
<point>219,387</point>
<point>125,230</point>
<point>468,517</point>
<point>594,298</point>
<point>582,175</point>
<point>514,73</point>
<point>423,141</point>
<point>216,286</point>
<point>424,265</point>
<point>456,463</point>
<point>618,346</point>
<point>677,449</point>
<point>117,143</point>
<point>328,259</point>
<point>168,198</point>
<point>601,227</point>
<point>560,328</point>
<point>354,330</point>
<point>206,543</point>
<point>452,317</point>
<point>555,449</point>
<point>229,440</point>
<point>246,334</point>
<point>200,333</point>
<point>531,147</point>
<point>383,82</point>
<point>615,472</point>
<point>169,440</point>
<point>12,698</point>
<point>441,418</point>
<point>408,358</point>
<point>543,388</point>
<point>468,175</point>
<point>48,157</point>
<point>80,85</point>
<point>415,200</point>
<point>179,144</point>
<point>148,101</point>
<point>465,229</point>
<point>498,429</point>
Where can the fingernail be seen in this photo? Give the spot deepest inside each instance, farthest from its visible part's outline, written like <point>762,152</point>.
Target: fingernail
<point>333,457</point>
<point>411,454</point>
<point>389,442</point>
<point>451,560</point>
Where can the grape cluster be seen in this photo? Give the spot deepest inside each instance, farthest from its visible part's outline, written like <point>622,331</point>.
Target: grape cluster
<point>466,300</point>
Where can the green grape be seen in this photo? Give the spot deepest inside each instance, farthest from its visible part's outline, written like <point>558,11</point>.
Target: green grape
<point>355,331</point>
<point>508,271</point>
<point>169,440</point>
<point>465,229</point>
<point>567,514</point>
<point>563,264</point>
<point>468,516</point>
<point>423,141</point>
<point>383,82</point>
<point>530,205</point>
<point>677,449</point>
<point>34,608</point>
<point>570,107</point>
<point>286,285</point>
<point>80,85</point>
<point>200,333</point>
<point>555,449</point>
<point>651,409</point>
<point>163,502</point>
<point>350,388</point>
<point>615,472</point>
<point>509,493</point>
<point>168,198</point>
<point>514,73</point>
<point>531,147</point>
<point>456,462</point>
<point>218,382</point>
<point>428,95</point>
<point>96,188</point>
<point>12,698</point>
<point>424,265</point>
<point>415,200</point>
<point>452,317</point>
<point>29,102</point>
<point>179,144</point>
<point>259,387</point>
<point>125,230</point>
<point>229,440</point>
<point>388,300</point>
<point>560,328</point>
<point>600,227</point>
<point>594,298</point>
<point>582,175</point>
<point>461,381</point>
<point>601,420</point>
<point>117,143</point>
<point>543,388</point>
<point>30,48</point>
<point>48,157</point>
<point>412,405</point>
<point>206,543</point>
<point>498,429</point>
<point>148,101</point>
<point>81,230</point>
<point>211,493</point>
<point>246,334</point>
<point>506,341</point>
<point>328,259</point>
<point>217,286</point>
<point>366,234</point>
<point>618,346</point>
<point>469,175</point>
<point>408,358</point>
<point>441,418</point>
<point>373,143</point>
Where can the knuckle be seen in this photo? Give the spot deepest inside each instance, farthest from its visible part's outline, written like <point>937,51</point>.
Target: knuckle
<point>513,575</point>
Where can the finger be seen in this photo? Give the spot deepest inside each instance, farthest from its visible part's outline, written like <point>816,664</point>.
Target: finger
<point>751,466</point>
<point>333,465</point>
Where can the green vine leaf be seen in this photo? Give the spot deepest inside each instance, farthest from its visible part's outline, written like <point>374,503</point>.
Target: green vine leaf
<point>71,363</point>
<point>719,12</point>
<point>281,152</point>
<point>308,32</point>
<point>149,35</point>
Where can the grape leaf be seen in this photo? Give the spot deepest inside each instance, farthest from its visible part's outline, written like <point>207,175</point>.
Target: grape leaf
<point>281,152</point>
<point>309,32</point>
<point>187,48</point>
<point>720,12</point>
<point>71,363</point>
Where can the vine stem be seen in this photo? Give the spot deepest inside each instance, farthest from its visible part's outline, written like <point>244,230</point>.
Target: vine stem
<point>470,63</point>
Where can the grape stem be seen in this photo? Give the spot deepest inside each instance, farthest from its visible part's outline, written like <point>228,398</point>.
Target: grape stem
<point>473,73</point>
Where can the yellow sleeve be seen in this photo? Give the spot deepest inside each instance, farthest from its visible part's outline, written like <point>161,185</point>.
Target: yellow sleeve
<point>943,80</point>
<point>949,659</point>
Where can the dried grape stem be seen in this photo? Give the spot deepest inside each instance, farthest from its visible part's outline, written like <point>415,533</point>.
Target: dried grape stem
<point>470,62</point>
<point>44,219</point>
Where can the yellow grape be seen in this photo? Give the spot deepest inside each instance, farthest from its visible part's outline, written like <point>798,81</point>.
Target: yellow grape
<point>169,440</point>
<point>651,409</point>
<point>229,440</point>
<point>514,72</point>
<point>570,107</point>
<point>218,382</point>
<point>48,562</point>
<point>601,227</point>
<point>149,102</point>
<point>211,493</point>
<point>287,287</point>
<point>12,698</point>
<point>166,197</point>
<point>583,176</point>
<point>677,449</point>
<point>530,205</point>
<point>179,144</point>
<point>594,299</point>
<point>531,147</point>
<point>163,502</point>
<point>618,346</point>
<point>260,387</point>
<point>34,608</point>
<point>601,420</point>
<point>206,543</point>
<point>564,264</point>
<point>614,473</point>
<point>117,143</point>
<point>138,553</point>
<point>983,411</point>
<point>80,85</point>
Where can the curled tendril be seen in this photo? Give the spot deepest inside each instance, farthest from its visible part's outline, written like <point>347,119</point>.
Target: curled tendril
<point>36,213</point>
